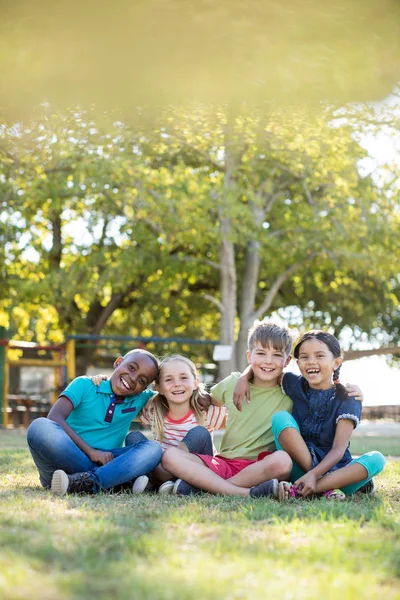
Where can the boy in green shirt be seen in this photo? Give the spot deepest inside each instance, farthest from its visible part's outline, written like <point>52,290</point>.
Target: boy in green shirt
<point>247,464</point>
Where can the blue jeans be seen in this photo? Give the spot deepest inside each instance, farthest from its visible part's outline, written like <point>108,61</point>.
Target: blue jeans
<point>52,449</point>
<point>373,462</point>
<point>197,440</point>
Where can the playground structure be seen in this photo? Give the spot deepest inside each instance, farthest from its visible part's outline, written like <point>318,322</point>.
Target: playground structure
<point>19,404</point>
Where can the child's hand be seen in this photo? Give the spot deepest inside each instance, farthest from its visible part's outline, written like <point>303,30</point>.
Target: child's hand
<point>204,400</point>
<point>97,379</point>
<point>307,484</point>
<point>354,391</point>
<point>241,391</point>
<point>99,457</point>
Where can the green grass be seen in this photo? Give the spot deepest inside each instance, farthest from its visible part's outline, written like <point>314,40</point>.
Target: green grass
<point>389,446</point>
<point>154,548</point>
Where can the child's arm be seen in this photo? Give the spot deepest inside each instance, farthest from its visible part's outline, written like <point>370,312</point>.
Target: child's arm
<point>97,379</point>
<point>307,483</point>
<point>216,417</point>
<point>205,400</point>
<point>354,392</point>
<point>59,413</point>
<point>242,388</point>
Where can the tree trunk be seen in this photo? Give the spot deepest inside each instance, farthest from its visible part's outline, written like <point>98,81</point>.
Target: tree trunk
<point>248,298</point>
<point>227,258</point>
<point>228,298</point>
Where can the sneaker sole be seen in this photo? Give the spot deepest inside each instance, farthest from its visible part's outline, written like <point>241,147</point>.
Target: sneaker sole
<point>176,485</point>
<point>166,488</point>
<point>59,483</point>
<point>282,492</point>
<point>140,484</point>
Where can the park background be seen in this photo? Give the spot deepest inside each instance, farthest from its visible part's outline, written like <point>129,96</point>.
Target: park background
<point>173,169</point>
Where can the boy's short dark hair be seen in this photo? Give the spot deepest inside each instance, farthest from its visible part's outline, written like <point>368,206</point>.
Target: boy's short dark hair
<point>269,333</point>
<point>147,353</point>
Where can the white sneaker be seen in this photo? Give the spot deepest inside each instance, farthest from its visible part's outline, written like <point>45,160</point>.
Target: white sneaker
<point>59,482</point>
<point>140,484</point>
<point>166,488</point>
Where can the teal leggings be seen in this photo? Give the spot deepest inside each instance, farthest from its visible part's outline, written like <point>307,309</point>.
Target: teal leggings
<point>373,461</point>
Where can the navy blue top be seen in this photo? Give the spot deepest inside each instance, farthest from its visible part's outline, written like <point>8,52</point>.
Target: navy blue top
<point>317,413</point>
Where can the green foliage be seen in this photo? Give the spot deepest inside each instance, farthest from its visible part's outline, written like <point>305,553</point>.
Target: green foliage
<point>110,227</point>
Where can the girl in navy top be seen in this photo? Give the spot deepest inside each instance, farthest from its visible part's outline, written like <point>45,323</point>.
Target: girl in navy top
<point>317,434</point>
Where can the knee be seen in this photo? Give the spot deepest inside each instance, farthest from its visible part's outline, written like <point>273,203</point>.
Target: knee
<point>283,464</point>
<point>197,439</point>
<point>375,462</point>
<point>169,458</point>
<point>37,430</point>
<point>153,450</point>
<point>202,434</point>
<point>280,419</point>
<point>134,437</point>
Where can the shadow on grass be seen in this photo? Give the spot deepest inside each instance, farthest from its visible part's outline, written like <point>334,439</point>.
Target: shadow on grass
<point>93,547</point>
<point>122,546</point>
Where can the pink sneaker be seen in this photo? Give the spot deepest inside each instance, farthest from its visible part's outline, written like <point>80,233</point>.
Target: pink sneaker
<point>334,495</point>
<point>287,490</point>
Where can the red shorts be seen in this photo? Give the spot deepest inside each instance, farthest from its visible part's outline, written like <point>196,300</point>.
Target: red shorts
<point>228,467</point>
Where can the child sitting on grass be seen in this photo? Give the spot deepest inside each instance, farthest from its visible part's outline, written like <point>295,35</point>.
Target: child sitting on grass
<point>78,447</point>
<point>247,464</point>
<point>317,433</point>
<point>176,418</point>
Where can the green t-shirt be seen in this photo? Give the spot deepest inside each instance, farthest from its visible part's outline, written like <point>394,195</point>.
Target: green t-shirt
<point>249,432</point>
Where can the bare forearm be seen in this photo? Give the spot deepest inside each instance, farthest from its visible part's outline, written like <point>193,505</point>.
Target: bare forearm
<point>248,373</point>
<point>330,460</point>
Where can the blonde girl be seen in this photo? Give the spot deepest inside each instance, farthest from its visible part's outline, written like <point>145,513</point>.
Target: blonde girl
<point>176,418</point>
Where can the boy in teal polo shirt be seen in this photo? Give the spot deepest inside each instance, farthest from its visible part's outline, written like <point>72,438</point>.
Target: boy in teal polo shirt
<point>78,447</point>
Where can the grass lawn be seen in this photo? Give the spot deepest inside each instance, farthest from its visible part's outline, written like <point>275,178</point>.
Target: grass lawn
<point>149,547</point>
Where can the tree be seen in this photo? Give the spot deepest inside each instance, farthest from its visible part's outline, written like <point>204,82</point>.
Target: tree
<point>289,175</point>
<point>85,242</point>
<point>147,230</point>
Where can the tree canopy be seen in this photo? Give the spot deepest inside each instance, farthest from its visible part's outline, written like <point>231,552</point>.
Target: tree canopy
<point>196,224</point>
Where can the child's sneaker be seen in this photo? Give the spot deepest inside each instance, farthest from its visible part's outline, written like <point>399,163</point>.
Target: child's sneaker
<point>181,488</point>
<point>334,495</point>
<point>367,488</point>
<point>166,488</point>
<point>77,483</point>
<point>142,484</point>
<point>287,490</point>
<point>267,489</point>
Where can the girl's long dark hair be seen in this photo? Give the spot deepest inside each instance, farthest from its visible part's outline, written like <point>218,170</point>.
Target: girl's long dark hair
<point>333,345</point>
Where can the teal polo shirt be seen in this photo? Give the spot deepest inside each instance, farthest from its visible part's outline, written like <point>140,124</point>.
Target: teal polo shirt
<point>97,417</point>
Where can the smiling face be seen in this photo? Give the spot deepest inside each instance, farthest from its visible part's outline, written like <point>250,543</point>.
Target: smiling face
<point>132,374</point>
<point>176,382</point>
<point>268,364</point>
<point>317,363</point>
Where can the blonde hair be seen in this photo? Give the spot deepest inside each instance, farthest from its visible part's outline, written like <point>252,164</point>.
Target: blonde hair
<point>159,402</point>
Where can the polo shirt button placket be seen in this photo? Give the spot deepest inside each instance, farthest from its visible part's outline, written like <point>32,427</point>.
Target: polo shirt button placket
<point>110,412</point>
